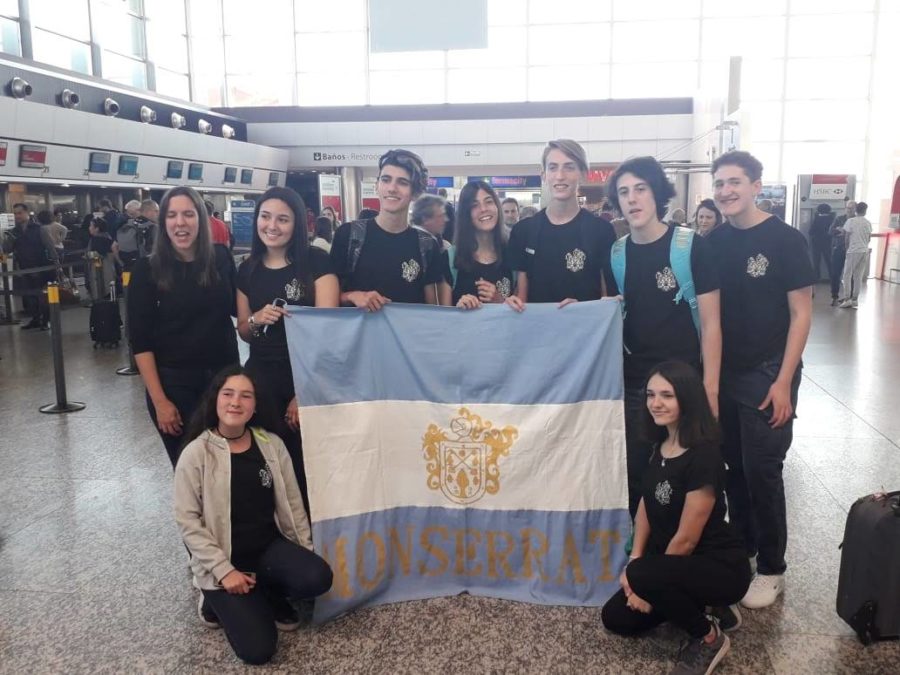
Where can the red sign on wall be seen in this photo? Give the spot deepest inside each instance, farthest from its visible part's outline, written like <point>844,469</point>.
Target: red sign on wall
<point>32,156</point>
<point>3,146</point>
<point>599,176</point>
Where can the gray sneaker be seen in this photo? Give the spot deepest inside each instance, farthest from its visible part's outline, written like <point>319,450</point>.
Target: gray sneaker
<point>729,617</point>
<point>696,657</point>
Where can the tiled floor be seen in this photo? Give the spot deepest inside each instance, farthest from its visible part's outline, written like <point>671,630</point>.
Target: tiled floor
<point>93,576</point>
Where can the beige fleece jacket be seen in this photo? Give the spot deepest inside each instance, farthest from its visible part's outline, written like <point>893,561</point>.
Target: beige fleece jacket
<point>203,502</point>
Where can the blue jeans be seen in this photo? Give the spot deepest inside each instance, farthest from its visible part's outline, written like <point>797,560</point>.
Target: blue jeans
<point>755,453</point>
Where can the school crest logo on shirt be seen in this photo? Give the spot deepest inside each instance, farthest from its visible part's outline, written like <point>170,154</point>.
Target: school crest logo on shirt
<point>463,462</point>
<point>756,267</point>
<point>410,270</point>
<point>504,287</point>
<point>663,493</point>
<point>665,280</point>
<point>294,290</point>
<point>575,260</point>
<point>265,476</point>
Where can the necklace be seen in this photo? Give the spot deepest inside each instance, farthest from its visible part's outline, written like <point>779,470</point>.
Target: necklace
<point>231,438</point>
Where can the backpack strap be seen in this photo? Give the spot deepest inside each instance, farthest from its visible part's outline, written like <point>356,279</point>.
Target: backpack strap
<point>680,260</point>
<point>355,244</point>
<point>427,244</point>
<point>617,264</point>
<point>451,256</point>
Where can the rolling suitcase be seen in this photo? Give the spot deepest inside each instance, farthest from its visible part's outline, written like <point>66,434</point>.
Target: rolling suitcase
<point>106,322</point>
<point>868,597</point>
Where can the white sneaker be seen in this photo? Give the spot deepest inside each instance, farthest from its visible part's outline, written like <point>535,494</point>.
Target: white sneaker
<point>855,304</point>
<point>763,591</point>
<point>846,304</point>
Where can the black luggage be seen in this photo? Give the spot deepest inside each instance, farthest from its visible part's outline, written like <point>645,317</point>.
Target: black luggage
<point>868,595</point>
<point>106,322</point>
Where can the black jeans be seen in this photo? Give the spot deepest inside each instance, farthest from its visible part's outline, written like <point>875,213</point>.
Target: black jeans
<point>277,389</point>
<point>679,588</point>
<point>637,451</point>
<point>820,248</point>
<point>249,623</point>
<point>754,453</point>
<point>34,300</point>
<point>838,255</point>
<point>184,387</point>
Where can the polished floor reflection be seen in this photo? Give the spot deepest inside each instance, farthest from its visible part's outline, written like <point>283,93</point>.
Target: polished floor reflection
<point>93,576</point>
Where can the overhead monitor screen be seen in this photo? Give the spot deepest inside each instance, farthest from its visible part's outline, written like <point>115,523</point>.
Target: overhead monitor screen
<point>128,165</point>
<point>175,169</point>
<point>99,162</point>
<point>246,176</point>
<point>195,171</point>
<point>230,174</point>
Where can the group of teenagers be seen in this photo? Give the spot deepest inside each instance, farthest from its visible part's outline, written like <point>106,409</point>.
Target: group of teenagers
<point>714,330</point>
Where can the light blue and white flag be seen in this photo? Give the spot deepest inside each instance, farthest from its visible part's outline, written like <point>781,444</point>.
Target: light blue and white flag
<point>450,451</point>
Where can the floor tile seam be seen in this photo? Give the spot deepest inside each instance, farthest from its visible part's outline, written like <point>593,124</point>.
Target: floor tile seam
<point>821,484</point>
<point>851,411</point>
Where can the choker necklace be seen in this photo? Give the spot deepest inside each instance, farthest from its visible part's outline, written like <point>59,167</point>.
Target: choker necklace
<point>231,438</point>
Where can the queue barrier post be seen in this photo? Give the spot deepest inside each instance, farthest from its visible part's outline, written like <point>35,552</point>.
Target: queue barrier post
<point>131,368</point>
<point>62,405</point>
<point>9,318</point>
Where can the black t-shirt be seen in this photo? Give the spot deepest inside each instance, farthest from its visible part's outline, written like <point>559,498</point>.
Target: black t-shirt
<point>189,326</point>
<point>252,507</point>
<point>757,268</point>
<point>446,272</point>
<point>563,261</point>
<point>656,328</point>
<point>497,272</point>
<point>390,263</point>
<point>262,285</point>
<point>101,244</point>
<point>666,484</point>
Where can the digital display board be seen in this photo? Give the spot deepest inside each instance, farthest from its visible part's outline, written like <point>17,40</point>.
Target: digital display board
<point>273,179</point>
<point>174,169</point>
<point>99,162</point>
<point>195,171</point>
<point>3,146</point>
<point>230,174</point>
<point>246,176</point>
<point>128,165</point>
<point>32,156</point>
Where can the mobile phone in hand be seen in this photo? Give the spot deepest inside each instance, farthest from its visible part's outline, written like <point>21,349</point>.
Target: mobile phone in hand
<point>277,302</point>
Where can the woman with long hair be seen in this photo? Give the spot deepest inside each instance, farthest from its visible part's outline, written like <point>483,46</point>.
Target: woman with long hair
<point>685,556</point>
<point>283,270</point>
<point>238,507</point>
<point>180,304</point>
<point>707,217</point>
<point>482,273</point>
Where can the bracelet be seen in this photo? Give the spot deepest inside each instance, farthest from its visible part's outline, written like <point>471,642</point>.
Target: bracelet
<point>255,328</point>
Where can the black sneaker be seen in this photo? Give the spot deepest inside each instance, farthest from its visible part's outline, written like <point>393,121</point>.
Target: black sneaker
<point>696,657</point>
<point>729,618</point>
<point>287,618</point>
<point>206,614</point>
<point>31,325</point>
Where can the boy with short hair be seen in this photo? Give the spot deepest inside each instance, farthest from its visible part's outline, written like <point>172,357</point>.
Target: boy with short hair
<point>562,252</point>
<point>383,259</point>
<point>858,231</point>
<point>767,278</point>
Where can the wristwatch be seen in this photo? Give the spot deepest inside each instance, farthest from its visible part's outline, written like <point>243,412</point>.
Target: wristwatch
<point>254,327</point>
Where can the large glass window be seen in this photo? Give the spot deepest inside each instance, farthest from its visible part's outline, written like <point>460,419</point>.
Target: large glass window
<point>172,84</point>
<point>315,16</point>
<point>483,85</point>
<point>9,8</point>
<point>639,10</point>
<point>652,80</point>
<point>61,52</point>
<point>568,11</point>
<point>124,70</point>
<point>570,83</point>
<point>9,37</point>
<point>68,18</point>
<point>569,44</point>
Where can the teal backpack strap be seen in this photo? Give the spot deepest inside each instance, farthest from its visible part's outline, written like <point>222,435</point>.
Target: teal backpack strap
<point>680,260</point>
<point>617,263</point>
<point>451,254</point>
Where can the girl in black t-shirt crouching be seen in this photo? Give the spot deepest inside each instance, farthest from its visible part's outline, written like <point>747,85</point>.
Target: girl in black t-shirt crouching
<point>282,270</point>
<point>482,273</point>
<point>685,556</point>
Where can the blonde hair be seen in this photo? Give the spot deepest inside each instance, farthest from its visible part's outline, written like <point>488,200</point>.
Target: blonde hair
<point>571,149</point>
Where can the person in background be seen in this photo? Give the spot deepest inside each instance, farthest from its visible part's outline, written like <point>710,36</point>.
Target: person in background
<point>858,231</point>
<point>686,556</point>
<point>428,213</point>
<point>112,216</point>
<point>527,212</point>
<point>707,217</point>
<point>366,214</point>
<point>323,235</point>
<point>54,231</point>
<point>180,303</point>
<point>103,256</point>
<point>238,508</point>
<point>820,240</point>
<point>148,226</point>
<point>132,209</point>
<point>331,214</point>
<point>218,228</point>
<point>679,218</point>
<point>510,207</point>
<point>766,276</point>
<point>281,265</point>
<point>482,272</point>
<point>766,205</point>
<point>839,250</point>
<point>31,247</point>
